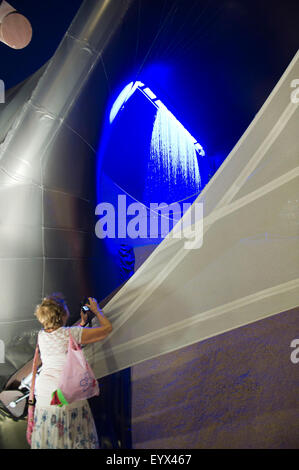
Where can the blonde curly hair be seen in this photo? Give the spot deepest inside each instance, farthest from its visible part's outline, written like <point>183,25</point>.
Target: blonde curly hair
<point>52,311</point>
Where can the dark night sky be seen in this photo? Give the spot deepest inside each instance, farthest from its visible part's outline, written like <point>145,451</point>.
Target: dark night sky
<point>49,19</point>
<point>214,62</point>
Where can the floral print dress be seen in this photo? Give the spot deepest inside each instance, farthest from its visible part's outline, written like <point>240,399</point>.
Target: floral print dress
<point>68,427</point>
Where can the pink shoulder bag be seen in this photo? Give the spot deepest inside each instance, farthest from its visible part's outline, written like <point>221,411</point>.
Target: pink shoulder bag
<point>77,381</point>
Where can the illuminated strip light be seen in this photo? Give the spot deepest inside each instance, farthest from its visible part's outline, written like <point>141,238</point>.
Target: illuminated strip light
<point>129,90</point>
<point>122,98</point>
<point>149,93</point>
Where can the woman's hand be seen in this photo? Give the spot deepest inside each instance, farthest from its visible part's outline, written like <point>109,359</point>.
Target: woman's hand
<point>84,318</point>
<point>93,305</point>
<point>91,335</point>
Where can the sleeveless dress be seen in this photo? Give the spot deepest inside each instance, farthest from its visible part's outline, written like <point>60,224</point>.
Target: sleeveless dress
<point>66,427</point>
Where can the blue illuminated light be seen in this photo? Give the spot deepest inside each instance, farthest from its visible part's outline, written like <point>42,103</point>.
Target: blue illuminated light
<point>173,160</point>
<point>130,89</point>
<point>122,98</point>
<point>158,160</point>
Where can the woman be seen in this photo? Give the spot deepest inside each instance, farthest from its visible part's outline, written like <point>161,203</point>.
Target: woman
<point>71,426</point>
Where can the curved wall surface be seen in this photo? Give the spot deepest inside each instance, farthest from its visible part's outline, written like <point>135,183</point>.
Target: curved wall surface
<point>50,131</point>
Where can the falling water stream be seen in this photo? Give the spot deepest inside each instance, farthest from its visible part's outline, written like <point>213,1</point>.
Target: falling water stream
<point>173,172</point>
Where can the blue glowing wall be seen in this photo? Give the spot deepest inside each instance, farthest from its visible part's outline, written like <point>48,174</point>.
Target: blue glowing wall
<point>149,157</point>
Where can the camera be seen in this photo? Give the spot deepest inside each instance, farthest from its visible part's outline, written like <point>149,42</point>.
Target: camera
<point>86,309</point>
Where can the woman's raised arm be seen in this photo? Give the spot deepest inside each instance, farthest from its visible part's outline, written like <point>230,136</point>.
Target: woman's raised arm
<point>92,335</point>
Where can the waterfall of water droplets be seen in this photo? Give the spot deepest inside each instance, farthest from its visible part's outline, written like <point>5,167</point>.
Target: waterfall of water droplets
<point>173,171</point>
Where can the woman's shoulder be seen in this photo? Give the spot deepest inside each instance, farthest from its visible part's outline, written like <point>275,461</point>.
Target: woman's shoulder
<point>69,329</point>
<point>75,331</point>
<point>46,336</point>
